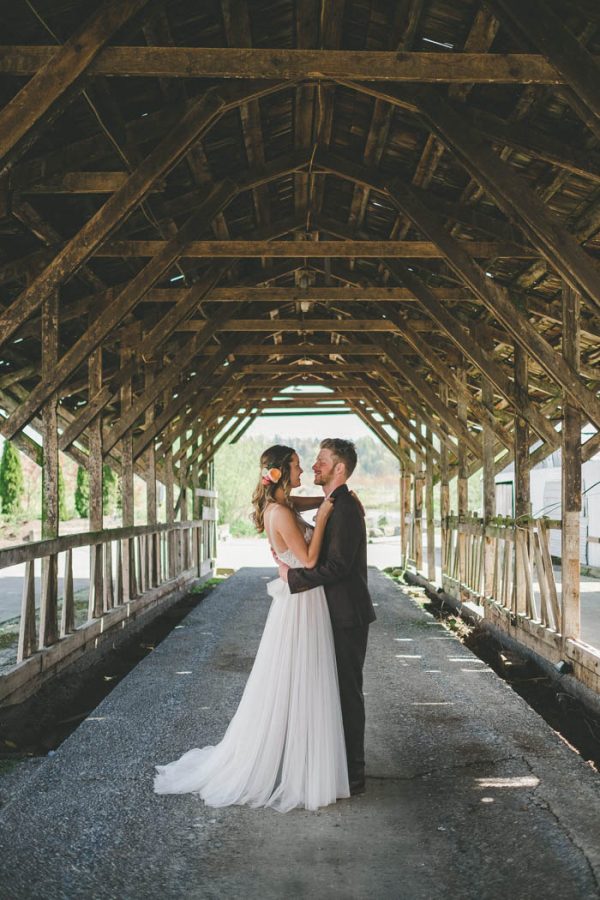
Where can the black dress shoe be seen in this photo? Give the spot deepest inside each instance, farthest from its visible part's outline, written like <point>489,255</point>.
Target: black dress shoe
<point>357,786</point>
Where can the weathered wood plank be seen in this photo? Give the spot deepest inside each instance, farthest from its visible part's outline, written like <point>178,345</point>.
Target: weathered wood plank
<point>522,483</point>
<point>513,196</point>
<point>58,75</point>
<point>571,478</point>
<point>79,249</point>
<point>48,625</point>
<point>465,342</point>
<point>313,250</point>
<point>27,637</point>
<point>110,317</point>
<point>276,63</point>
<point>545,28</point>
<point>167,378</point>
<point>498,301</point>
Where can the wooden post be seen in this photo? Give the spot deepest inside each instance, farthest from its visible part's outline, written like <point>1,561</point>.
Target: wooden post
<point>183,515</point>
<point>48,633</point>
<point>170,511</point>
<point>429,510</point>
<point>128,340</point>
<point>489,481</point>
<point>444,489</point>
<point>571,477</point>
<point>522,491</point>
<point>151,513</point>
<point>404,503</point>
<point>462,482</point>
<point>96,518</point>
<point>419,484</point>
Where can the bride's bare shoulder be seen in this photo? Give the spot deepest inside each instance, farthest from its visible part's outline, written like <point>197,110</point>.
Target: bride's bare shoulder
<point>277,512</point>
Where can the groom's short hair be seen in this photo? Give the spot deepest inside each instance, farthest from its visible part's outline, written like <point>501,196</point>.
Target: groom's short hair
<point>343,451</point>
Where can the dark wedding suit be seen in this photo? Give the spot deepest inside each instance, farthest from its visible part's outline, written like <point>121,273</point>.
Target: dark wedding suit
<point>342,570</point>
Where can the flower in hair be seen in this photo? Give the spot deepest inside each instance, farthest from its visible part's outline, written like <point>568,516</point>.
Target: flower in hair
<point>271,476</point>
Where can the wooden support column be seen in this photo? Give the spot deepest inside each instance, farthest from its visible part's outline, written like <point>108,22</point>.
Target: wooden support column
<point>571,477</point>
<point>97,602</point>
<point>419,484</point>
<point>489,481</point>
<point>429,511</point>
<point>522,485</point>
<point>444,489</point>
<point>152,555</point>
<point>169,493</point>
<point>48,633</point>
<point>129,339</point>
<point>462,480</point>
<point>405,491</point>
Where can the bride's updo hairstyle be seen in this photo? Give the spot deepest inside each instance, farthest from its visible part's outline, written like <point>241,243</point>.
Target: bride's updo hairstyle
<point>277,457</point>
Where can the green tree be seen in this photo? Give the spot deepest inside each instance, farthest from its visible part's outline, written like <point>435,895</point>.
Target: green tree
<point>62,502</point>
<point>11,480</point>
<point>82,493</point>
<point>110,488</point>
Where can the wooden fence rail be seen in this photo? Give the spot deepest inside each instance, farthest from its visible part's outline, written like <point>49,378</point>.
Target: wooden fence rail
<point>162,558</point>
<point>521,559</point>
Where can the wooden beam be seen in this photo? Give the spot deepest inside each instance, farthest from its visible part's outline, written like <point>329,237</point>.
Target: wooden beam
<point>276,63</point>
<point>431,399</point>
<point>48,623</point>
<point>545,29</point>
<point>232,293</point>
<point>83,183</point>
<point>79,249</point>
<point>168,376</point>
<point>58,77</point>
<point>468,343</point>
<point>443,372</point>
<point>287,325</point>
<point>174,405</point>
<point>571,480</point>
<point>313,249</point>
<point>513,195</point>
<point>522,600</point>
<point>132,293</point>
<point>498,302</point>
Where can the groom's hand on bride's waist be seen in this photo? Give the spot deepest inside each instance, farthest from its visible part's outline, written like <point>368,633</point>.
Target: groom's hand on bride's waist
<point>283,571</point>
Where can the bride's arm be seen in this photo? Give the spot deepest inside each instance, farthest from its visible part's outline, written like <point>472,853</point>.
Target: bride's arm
<point>285,526</point>
<point>304,503</point>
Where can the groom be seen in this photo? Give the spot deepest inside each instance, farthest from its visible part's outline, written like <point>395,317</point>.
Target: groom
<point>342,570</point>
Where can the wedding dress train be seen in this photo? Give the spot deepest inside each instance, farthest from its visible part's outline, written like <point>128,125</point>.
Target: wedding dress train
<point>284,747</point>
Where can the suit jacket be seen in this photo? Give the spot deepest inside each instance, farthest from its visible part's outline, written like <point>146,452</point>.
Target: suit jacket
<point>342,566</point>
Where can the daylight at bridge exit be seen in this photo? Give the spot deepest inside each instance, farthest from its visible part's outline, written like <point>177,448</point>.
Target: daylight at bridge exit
<point>299,449</point>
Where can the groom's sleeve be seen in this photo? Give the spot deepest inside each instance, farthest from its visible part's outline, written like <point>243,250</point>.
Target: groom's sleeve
<point>346,526</point>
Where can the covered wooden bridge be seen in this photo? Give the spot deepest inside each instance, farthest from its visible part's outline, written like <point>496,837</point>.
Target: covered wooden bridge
<point>203,204</point>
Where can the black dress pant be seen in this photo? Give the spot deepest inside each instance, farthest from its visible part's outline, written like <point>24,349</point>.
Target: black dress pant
<point>350,650</point>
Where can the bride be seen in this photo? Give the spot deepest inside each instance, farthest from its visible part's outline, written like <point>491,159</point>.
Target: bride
<point>284,747</point>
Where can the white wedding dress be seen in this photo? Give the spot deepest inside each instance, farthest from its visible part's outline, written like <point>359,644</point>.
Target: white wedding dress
<point>284,747</point>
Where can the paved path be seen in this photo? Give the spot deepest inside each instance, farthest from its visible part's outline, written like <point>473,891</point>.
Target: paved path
<point>470,794</point>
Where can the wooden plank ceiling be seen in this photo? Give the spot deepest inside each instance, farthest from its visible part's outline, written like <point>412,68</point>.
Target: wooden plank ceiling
<point>381,199</point>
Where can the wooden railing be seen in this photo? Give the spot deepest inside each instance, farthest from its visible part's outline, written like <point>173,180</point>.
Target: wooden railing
<point>501,562</point>
<point>130,569</point>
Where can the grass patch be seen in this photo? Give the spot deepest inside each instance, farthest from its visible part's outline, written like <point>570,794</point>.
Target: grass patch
<point>209,584</point>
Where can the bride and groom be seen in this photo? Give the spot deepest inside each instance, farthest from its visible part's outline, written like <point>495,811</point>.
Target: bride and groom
<point>297,737</point>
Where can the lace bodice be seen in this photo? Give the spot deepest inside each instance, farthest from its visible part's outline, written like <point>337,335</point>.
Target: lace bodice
<point>287,556</point>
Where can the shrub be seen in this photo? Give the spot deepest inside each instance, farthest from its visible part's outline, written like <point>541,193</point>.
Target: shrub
<point>82,493</point>
<point>11,480</point>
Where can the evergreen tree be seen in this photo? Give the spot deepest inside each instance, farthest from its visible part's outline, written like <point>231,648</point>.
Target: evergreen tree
<point>109,490</point>
<point>11,480</point>
<point>62,502</point>
<point>82,493</point>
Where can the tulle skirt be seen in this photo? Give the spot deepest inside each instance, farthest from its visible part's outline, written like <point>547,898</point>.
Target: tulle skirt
<point>284,747</point>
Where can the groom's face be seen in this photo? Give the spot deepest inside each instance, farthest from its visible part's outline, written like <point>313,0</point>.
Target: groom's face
<point>324,467</point>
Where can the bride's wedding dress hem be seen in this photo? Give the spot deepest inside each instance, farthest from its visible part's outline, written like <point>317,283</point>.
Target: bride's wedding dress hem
<point>284,747</point>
